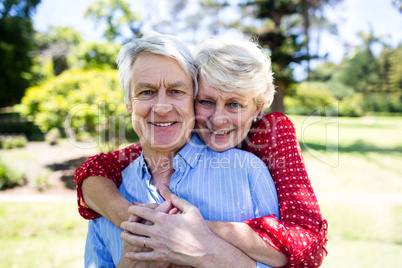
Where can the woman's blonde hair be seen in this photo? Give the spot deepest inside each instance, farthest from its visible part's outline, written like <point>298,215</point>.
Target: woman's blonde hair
<point>238,66</point>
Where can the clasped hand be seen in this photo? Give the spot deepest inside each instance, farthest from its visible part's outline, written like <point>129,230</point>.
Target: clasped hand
<point>172,233</point>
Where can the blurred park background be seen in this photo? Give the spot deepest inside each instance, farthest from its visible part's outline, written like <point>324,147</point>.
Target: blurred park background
<point>338,72</point>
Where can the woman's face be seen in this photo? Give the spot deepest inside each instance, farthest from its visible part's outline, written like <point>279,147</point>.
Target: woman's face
<point>223,119</point>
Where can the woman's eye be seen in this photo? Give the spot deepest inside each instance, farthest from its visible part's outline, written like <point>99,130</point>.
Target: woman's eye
<point>235,105</point>
<point>206,102</point>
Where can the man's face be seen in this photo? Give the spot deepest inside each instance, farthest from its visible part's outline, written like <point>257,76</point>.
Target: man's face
<point>162,103</point>
<point>223,119</point>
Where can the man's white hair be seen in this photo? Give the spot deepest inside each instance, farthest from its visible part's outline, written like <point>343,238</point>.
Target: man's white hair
<point>157,44</point>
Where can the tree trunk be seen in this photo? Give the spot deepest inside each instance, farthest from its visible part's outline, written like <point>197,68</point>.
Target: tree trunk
<point>277,104</point>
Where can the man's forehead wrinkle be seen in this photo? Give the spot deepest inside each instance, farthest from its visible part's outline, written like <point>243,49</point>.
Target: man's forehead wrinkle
<point>163,82</point>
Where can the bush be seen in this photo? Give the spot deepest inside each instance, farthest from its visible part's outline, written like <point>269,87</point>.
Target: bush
<point>309,98</point>
<point>78,101</point>
<point>53,136</point>
<point>9,178</point>
<point>10,142</point>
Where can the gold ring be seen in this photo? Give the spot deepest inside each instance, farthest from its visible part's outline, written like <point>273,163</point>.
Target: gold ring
<point>145,239</point>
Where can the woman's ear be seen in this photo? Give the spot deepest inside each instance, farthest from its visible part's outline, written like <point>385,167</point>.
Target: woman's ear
<point>259,110</point>
<point>129,108</point>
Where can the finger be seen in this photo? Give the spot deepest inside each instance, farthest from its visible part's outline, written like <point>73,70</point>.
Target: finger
<point>173,211</point>
<point>150,214</point>
<point>152,205</point>
<point>135,228</point>
<point>137,203</point>
<point>145,256</point>
<point>165,192</point>
<point>181,204</point>
<point>133,218</point>
<point>165,207</point>
<point>135,240</point>
<point>143,212</point>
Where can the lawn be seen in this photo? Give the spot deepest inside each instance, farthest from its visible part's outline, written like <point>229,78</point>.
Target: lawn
<point>355,167</point>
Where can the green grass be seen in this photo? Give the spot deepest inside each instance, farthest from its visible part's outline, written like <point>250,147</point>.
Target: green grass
<point>41,235</point>
<point>355,167</point>
<point>357,179</point>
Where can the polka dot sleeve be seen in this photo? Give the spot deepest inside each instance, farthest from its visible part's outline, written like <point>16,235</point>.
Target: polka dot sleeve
<point>301,231</point>
<point>107,165</point>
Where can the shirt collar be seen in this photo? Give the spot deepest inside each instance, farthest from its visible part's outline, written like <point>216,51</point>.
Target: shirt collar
<point>192,151</point>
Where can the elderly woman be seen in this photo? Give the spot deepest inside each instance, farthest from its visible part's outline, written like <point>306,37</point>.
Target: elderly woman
<point>235,85</point>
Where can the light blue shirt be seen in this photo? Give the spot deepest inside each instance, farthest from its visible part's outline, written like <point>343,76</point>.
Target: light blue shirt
<point>229,186</point>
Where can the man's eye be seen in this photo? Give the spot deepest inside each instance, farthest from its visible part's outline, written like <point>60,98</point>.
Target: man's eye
<point>176,91</point>
<point>146,92</point>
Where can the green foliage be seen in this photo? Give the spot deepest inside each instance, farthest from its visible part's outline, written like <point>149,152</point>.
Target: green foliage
<point>361,72</point>
<point>10,142</point>
<point>53,136</point>
<point>53,49</point>
<point>285,32</point>
<point>364,83</point>
<point>116,14</point>
<point>311,97</point>
<point>92,55</point>
<point>16,42</point>
<point>12,123</point>
<point>58,34</point>
<point>79,101</point>
<point>9,178</point>
<point>352,106</point>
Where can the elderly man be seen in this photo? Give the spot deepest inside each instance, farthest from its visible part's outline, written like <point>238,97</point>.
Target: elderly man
<point>160,74</point>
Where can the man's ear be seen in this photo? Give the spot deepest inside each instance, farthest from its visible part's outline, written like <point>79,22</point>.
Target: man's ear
<point>129,108</point>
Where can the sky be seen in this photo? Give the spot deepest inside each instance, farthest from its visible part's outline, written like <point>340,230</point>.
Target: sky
<point>351,16</point>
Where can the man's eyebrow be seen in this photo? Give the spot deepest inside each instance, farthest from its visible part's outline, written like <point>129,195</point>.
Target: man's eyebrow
<point>176,84</point>
<point>152,86</point>
<point>145,85</point>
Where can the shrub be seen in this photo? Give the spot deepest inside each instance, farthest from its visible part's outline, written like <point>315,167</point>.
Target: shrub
<point>9,178</point>
<point>10,142</point>
<point>53,136</point>
<point>78,101</point>
<point>311,97</point>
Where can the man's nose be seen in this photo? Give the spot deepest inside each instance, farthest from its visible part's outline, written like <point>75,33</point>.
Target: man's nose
<point>162,105</point>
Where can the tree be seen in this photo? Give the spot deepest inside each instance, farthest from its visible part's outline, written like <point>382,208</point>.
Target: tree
<point>16,43</point>
<point>284,26</point>
<point>116,14</point>
<point>53,49</point>
<point>94,55</point>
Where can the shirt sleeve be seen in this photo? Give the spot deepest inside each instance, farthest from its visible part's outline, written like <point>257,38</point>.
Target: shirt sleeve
<point>301,232</point>
<point>107,165</point>
<point>96,253</point>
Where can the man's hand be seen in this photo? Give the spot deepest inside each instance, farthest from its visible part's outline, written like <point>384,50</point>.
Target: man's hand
<point>183,239</point>
<point>128,247</point>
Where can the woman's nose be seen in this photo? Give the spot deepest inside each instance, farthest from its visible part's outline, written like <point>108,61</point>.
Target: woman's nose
<point>219,118</point>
